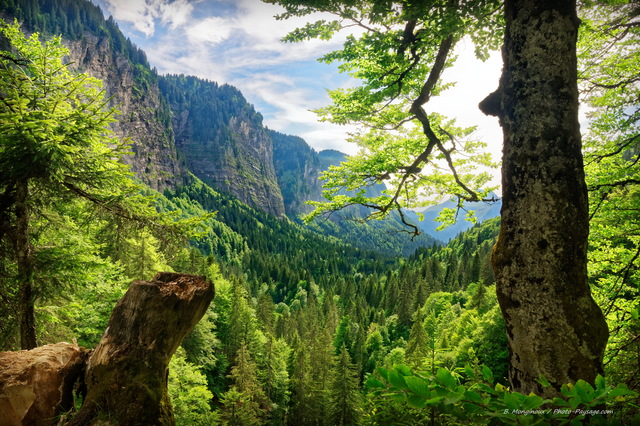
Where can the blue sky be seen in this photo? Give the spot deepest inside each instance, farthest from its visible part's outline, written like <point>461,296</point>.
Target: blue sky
<point>238,42</point>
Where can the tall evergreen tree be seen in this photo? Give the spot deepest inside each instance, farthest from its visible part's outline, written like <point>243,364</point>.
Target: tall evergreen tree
<point>245,403</point>
<point>345,400</point>
<point>54,147</point>
<point>418,344</point>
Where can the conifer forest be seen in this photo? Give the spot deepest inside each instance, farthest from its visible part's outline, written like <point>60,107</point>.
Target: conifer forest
<point>209,270</point>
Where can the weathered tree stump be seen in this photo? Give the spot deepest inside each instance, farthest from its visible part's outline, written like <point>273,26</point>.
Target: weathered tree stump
<point>37,385</point>
<point>126,375</point>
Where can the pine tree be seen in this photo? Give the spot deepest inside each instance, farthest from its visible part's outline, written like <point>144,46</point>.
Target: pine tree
<point>345,400</point>
<point>418,345</point>
<point>304,404</point>
<point>343,335</point>
<point>245,403</point>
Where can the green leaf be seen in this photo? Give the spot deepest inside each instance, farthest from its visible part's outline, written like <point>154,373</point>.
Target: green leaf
<point>453,397</point>
<point>397,397</point>
<point>470,408</point>
<point>373,383</point>
<point>417,385</point>
<point>600,382</point>
<point>434,401</point>
<point>513,401</point>
<point>532,402</point>
<point>404,370</point>
<point>446,378</point>
<point>621,390</point>
<point>384,373</point>
<point>417,401</point>
<point>584,391</point>
<point>487,374</point>
<point>543,381</point>
<point>473,396</point>
<point>574,402</point>
<point>397,380</point>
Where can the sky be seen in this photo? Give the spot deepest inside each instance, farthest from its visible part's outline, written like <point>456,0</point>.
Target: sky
<point>239,42</point>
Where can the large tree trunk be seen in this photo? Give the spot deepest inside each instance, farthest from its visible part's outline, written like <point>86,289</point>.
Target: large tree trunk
<point>127,373</point>
<point>26,302</point>
<point>554,327</point>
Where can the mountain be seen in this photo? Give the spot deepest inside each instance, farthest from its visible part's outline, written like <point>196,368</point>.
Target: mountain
<point>483,211</point>
<point>180,125</point>
<point>298,167</point>
<point>223,140</point>
<point>144,116</point>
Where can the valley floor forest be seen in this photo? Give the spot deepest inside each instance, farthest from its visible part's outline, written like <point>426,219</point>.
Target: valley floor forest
<point>320,299</point>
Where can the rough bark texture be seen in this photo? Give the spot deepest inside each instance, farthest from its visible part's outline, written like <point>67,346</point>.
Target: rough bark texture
<point>37,385</point>
<point>24,253</point>
<point>127,373</point>
<point>554,327</point>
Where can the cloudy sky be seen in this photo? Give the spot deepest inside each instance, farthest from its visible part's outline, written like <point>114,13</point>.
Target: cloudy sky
<point>238,42</point>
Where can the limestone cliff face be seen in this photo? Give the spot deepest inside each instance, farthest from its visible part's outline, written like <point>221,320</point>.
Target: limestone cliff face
<point>223,141</point>
<point>144,115</point>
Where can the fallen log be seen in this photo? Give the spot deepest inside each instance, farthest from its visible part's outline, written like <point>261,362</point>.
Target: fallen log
<point>126,375</point>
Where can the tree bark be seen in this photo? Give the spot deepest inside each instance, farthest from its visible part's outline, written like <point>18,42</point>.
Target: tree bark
<point>554,327</point>
<point>24,253</point>
<point>127,373</point>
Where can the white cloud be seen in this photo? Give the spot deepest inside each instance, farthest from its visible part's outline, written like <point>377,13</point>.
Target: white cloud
<point>137,12</point>
<point>211,30</point>
<point>176,14</point>
<point>142,14</point>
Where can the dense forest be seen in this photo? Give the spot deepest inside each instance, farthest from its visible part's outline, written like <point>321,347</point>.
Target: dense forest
<point>318,323</point>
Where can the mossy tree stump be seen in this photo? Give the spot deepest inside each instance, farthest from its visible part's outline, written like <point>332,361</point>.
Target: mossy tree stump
<point>127,373</point>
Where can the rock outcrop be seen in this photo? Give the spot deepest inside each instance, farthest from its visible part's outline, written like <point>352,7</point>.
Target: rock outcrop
<point>37,385</point>
<point>125,376</point>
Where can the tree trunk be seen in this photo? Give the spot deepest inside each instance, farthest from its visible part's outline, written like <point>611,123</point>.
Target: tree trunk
<point>554,327</point>
<point>127,373</point>
<point>25,268</point>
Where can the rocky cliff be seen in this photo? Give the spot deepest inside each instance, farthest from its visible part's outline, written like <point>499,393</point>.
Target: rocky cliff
<point>176,124</point>
<point>223,140</point>
<point>97,47</point>
<point>144,115</point>
<point>298,167</point>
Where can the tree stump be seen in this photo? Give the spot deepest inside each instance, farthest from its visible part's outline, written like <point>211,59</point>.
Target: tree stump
<point>127,373</point>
